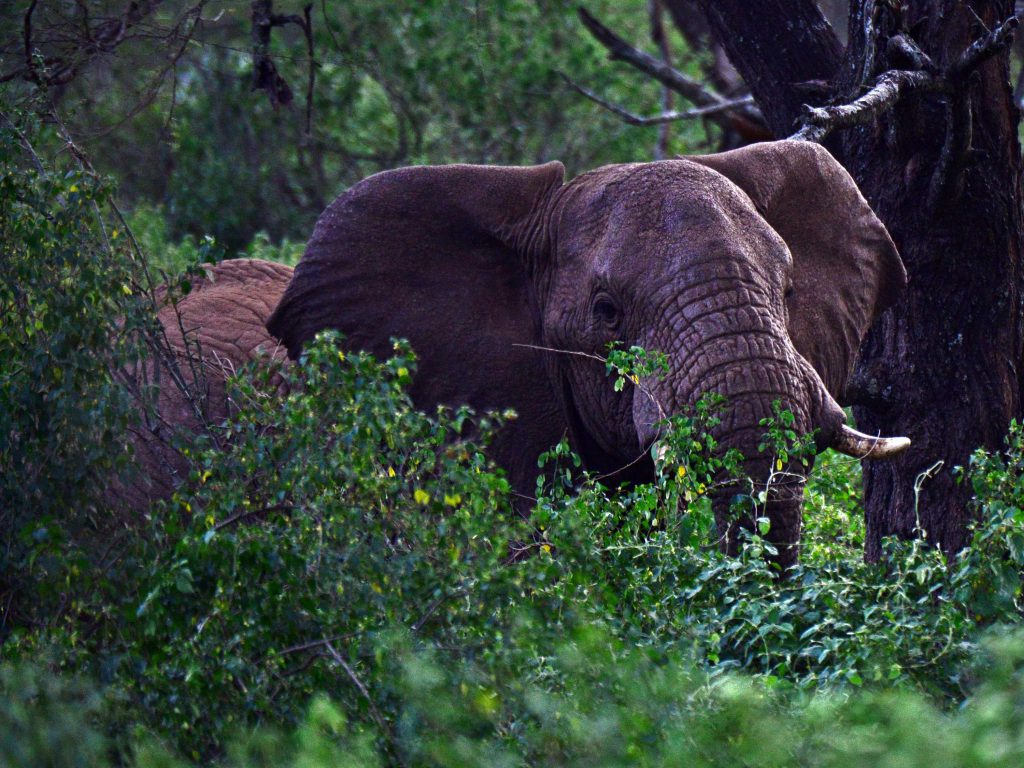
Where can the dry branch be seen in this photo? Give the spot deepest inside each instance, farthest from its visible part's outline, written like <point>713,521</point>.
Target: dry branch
<point>61,68</point>
<point>818,122</point>
<point>664,117</point>
<point>620,50</point>
<point>985,48</point>
<point>687,87</point>
<point>375,713</point>
<point>905,47</point>
<point>264,72</point>
<point>891,86</point>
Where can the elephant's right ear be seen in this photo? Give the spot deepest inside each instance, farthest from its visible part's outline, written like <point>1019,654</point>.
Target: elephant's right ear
<point>846,270</point>
<point>434,254</point>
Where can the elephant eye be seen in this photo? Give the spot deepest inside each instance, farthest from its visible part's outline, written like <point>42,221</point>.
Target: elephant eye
<point>605,311</point>
<point>789,292</point>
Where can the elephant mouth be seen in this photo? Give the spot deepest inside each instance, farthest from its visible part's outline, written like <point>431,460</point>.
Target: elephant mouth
<point>610,468</point>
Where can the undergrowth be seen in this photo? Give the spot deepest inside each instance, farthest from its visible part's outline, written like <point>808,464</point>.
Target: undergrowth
<point>349,550</point>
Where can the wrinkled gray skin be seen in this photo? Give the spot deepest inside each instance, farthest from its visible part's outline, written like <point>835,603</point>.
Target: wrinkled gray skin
<point>757,271</point>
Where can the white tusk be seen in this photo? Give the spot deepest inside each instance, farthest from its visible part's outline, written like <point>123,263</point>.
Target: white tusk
<point>860,446</point>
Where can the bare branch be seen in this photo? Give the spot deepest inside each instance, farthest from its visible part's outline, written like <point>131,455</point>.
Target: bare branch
<point>655,12</point>
<point>891,86</point>
<point>664,117</point>
<point>904,46</point>
<point>985,48</point>
<point>946,183</point>
<point>264,72</point>
<point>30,67</point>
<point>307,29</point>
<point>74,53</point>
<point>818,122</point>
<point>252,513</point>
<point>620,50</point>
<point>29,150</point>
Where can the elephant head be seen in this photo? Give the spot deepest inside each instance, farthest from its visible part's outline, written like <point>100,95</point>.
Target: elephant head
<point>757,272</point>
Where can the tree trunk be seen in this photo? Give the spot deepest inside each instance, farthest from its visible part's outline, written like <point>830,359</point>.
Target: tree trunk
<point>943,365</point>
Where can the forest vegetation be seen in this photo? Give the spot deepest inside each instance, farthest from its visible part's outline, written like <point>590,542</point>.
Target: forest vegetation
<point>343,579</point>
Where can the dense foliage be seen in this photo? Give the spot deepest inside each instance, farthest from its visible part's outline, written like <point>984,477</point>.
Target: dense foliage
<point>397,84</point>
<point>351,567</point>
<point>346,583</point>
<point>69,317</point>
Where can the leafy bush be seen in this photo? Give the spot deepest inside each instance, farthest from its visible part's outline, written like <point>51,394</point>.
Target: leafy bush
<point>169,258</point>
<point>339,514</point>
<point>47,720</point>
<point>72,314</point>
<point>601,702</point>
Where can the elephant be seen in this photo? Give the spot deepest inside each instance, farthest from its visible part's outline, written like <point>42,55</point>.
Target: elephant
<point>757,272</point>
<point>207,334</point>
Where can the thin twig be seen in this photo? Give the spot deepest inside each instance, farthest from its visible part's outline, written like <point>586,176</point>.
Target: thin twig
<point>251,512</point>
<point>665,117</point>
<point>30,66</point>
<point>656,12</point>
<point>309,646</point>
<point>437,602</point>
<point>307,29</point>
<point>26,145</point>
<point>375,713</point>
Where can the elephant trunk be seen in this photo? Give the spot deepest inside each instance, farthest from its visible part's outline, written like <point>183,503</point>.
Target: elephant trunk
<point>768,487</point>
<point>757,390</point>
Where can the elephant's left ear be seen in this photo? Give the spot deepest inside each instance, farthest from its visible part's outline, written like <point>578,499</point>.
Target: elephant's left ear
<point>846,268</point>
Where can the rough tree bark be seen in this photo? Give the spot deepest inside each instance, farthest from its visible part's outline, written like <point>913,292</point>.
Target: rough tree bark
<point>943,171</point>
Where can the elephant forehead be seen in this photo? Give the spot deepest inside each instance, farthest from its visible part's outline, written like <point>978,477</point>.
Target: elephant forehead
<point>653,213</point>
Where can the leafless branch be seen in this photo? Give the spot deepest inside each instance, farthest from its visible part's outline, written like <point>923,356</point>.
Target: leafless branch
<point>307,29</point>
<point>956,147</point>
<point>620,50</point>
<point>904,46</point>
<point>178,32</point>
<point>252,513</point>
<point>434,605</point>
<point>985,48</point>
<point>665,117</point>
<point>891,86</point>
<point>818,122</point>
<point>29,150</point>
<point>264,72</point>
<point>746,117</point>
<point>656,12</point>
<point>63,66</point>
<point>30,66</point>
<point>309,646</point>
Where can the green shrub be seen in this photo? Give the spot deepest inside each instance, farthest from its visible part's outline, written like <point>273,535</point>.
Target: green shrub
<point>72,313</point>
<point>48,721</point>
<point>339,513</point>
<point>601,702</point>
<point>149,226</point>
